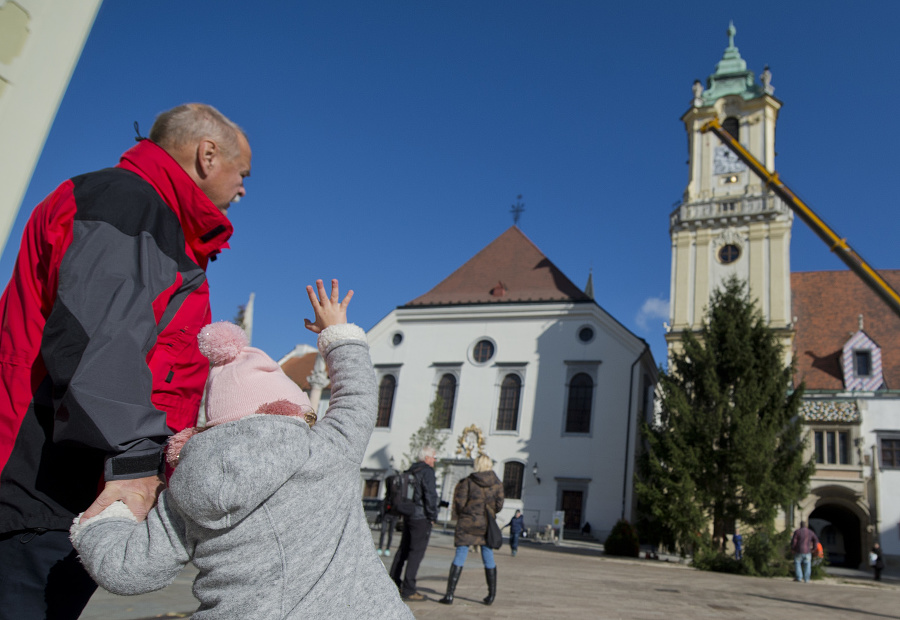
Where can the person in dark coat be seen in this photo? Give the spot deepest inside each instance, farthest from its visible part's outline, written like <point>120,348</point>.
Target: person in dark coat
<point>876,561</point>
<point>479,492</point>
<point>417,526</point>
<point>516,526</point>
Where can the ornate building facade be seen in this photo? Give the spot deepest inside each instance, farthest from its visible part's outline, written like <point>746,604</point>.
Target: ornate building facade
<point>843,338</point>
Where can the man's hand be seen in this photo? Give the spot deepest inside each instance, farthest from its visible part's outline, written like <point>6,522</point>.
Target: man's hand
<point>138,494</point>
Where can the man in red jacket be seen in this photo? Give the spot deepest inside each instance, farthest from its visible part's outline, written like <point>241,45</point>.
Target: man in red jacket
<point>99,362</point>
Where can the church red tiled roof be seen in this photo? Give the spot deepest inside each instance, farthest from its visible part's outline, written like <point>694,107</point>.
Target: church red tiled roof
<point>510,269</point>
<point>299,368</point>
<point>827,305</point>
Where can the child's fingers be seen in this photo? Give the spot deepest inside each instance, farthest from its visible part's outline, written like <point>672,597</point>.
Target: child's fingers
<point>335,291</point>
<point>347,299</point>
<point>323,296</point>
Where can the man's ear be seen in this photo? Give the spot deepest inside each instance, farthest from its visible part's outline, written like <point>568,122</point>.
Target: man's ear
<point>207,152</point>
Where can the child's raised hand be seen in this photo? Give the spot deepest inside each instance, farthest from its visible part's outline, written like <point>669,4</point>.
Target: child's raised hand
<point>329,311</point>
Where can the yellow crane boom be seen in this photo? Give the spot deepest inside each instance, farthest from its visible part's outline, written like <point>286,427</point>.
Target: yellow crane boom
<point>837,244</point>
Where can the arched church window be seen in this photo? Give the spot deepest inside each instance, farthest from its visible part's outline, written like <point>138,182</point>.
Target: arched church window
<point>513,474</point>
<point>385,400</point>
<point>508,409</point>
<point>578,412</point>
<point>447,392</point>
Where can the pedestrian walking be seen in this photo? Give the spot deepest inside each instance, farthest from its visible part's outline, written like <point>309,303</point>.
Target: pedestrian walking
<point>516,527</point>
<point>803,542</point>
<point>417,526</point>
<point>476,498</point>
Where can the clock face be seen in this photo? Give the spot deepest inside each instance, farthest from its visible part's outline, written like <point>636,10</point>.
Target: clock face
<point>726,162</point>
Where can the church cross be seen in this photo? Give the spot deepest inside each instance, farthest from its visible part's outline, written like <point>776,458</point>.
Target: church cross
<point>517,209</point>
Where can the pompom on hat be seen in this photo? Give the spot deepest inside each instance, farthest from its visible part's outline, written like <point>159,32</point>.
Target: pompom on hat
<point>243,380</point>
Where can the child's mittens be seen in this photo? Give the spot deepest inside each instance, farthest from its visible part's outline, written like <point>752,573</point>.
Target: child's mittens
<point>117,509</point>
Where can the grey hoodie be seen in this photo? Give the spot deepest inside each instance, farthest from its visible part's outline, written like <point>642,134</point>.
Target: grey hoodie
<point>268,509</point>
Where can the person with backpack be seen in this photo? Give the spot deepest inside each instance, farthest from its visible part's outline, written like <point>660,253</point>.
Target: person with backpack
<point>417,524</point>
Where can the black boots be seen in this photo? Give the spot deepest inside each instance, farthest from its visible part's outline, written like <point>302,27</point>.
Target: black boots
<point>490,574</point>
<point>455,572</point>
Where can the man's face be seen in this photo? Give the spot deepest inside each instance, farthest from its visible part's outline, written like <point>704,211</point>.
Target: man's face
<point>429,460</point>
<point>224,183</point>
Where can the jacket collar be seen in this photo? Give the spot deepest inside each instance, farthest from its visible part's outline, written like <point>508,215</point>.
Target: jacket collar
<point>206,229</point>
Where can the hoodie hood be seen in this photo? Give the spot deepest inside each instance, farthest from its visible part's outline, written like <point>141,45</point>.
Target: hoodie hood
<point>484,478</point>
<point>227,471</point>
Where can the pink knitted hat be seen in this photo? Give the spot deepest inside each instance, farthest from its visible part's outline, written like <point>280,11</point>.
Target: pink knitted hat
<point>242,379</point>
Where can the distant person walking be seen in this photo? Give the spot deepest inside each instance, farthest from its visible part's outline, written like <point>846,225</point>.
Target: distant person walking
<point>417,527</point>
<point>738,541</point>
<point>516,527</point>
<point>388,524</point>
<point>803,542</point>
<point>876,561</point>
<point>478,492</point>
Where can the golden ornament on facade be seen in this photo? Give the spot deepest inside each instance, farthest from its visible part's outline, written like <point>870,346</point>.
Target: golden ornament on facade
<point>466,444</point>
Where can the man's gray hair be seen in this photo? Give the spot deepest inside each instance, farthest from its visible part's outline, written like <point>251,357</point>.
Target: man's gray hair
<point>189,123</point>
<point>427,451</point>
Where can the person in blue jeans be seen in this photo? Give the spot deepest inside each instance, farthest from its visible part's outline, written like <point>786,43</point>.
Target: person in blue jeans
<point>803,542</point>
<point>738,541</point>
<point>478,493</point>
<point>516,526</point>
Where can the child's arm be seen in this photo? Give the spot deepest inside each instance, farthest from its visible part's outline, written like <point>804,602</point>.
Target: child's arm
<point>128,557</point>
<point>350,418</point>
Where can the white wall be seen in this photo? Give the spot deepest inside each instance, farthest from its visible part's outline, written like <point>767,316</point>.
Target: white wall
<point>883,415</point>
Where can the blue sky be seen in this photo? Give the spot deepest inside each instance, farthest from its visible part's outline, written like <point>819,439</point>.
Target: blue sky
<point>390,138</point>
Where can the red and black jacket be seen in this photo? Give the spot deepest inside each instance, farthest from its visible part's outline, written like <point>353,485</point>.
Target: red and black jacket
<point>98,342</point>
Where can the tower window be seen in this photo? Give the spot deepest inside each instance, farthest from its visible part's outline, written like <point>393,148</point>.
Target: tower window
<point>733,127</point>
<point>729,253</point>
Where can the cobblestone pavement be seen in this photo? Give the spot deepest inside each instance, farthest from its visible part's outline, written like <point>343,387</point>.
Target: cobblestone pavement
<point>575,580</point>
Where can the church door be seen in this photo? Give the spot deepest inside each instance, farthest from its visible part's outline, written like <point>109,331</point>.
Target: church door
<point>571,503</point>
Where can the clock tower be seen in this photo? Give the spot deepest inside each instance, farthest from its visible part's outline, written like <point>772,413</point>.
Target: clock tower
<point>729,222</point>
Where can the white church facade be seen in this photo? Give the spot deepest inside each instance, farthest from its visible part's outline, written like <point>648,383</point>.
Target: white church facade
<point>530,370</point>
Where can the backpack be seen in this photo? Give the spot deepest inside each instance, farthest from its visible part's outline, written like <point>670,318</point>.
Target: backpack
<point>401,489</point>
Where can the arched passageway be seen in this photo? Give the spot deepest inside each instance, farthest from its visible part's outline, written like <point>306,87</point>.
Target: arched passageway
<point>839,530</point>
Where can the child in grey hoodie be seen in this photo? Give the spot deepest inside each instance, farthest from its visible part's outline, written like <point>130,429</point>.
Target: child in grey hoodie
<point>264,500</point>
